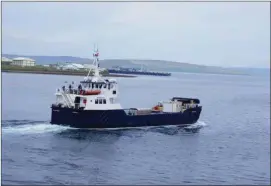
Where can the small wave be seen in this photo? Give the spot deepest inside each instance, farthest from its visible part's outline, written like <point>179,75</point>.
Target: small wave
<point>36,128</point>
<point>199,124</point>
<point>195,127</point>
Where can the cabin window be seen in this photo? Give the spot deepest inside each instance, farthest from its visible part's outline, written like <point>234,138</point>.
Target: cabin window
<point>96,86</point>
<point>104,101</point>
<point>96,101</point>
<point>104,85</point>
<point>114,92</point>
<point>92,85</point>
<point>100,101</point>
<point>101,85</point>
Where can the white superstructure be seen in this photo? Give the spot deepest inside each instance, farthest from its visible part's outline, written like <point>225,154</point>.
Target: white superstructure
<point>98,93</point>
<point>93,93</point>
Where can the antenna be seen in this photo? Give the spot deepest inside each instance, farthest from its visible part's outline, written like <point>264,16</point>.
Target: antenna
<point>95,62</point>
<point>96,54</point>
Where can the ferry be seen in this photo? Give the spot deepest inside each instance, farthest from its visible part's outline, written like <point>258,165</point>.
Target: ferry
<point>134,71</point>
<point>93,104</point>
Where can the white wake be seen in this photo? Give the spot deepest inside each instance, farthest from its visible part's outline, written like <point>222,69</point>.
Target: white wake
<point>33,128</point>
<point>39,128</point>
<point>197,125</point>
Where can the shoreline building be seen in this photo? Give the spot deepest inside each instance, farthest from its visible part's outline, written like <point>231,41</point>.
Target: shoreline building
<point>22,61</point>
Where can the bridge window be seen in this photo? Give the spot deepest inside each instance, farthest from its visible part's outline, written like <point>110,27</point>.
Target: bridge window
<point>84,85</point>
<point>100,101</point>
<point>114,92</point>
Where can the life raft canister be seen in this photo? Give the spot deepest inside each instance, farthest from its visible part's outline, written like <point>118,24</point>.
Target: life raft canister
<point>90,92</point>
<point>158,108</point>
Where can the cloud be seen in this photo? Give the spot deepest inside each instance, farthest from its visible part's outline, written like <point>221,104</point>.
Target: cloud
<point>222,34</point>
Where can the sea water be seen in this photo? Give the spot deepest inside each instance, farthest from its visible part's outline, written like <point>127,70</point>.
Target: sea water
<point>231,145</point>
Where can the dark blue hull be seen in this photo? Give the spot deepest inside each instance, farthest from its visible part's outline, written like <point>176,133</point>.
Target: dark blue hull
<point>119,119</point>
<point>138,72</point>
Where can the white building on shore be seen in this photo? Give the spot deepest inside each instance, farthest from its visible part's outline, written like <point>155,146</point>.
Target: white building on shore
<point>22,61</point>
<point>92,67</point>
<point>73,66</point>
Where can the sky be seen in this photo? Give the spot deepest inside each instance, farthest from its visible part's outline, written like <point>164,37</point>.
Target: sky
<point>228,34</point>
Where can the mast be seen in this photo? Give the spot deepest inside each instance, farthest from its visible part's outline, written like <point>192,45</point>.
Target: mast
<point>96,63</point>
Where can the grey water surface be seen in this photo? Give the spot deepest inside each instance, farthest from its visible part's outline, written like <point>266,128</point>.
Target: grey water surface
<point>232,145</point>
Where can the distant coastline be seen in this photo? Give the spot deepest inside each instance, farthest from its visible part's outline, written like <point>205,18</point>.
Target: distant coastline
<point>149,65</point>
<point>74,73</point>
<point>60,72</point>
